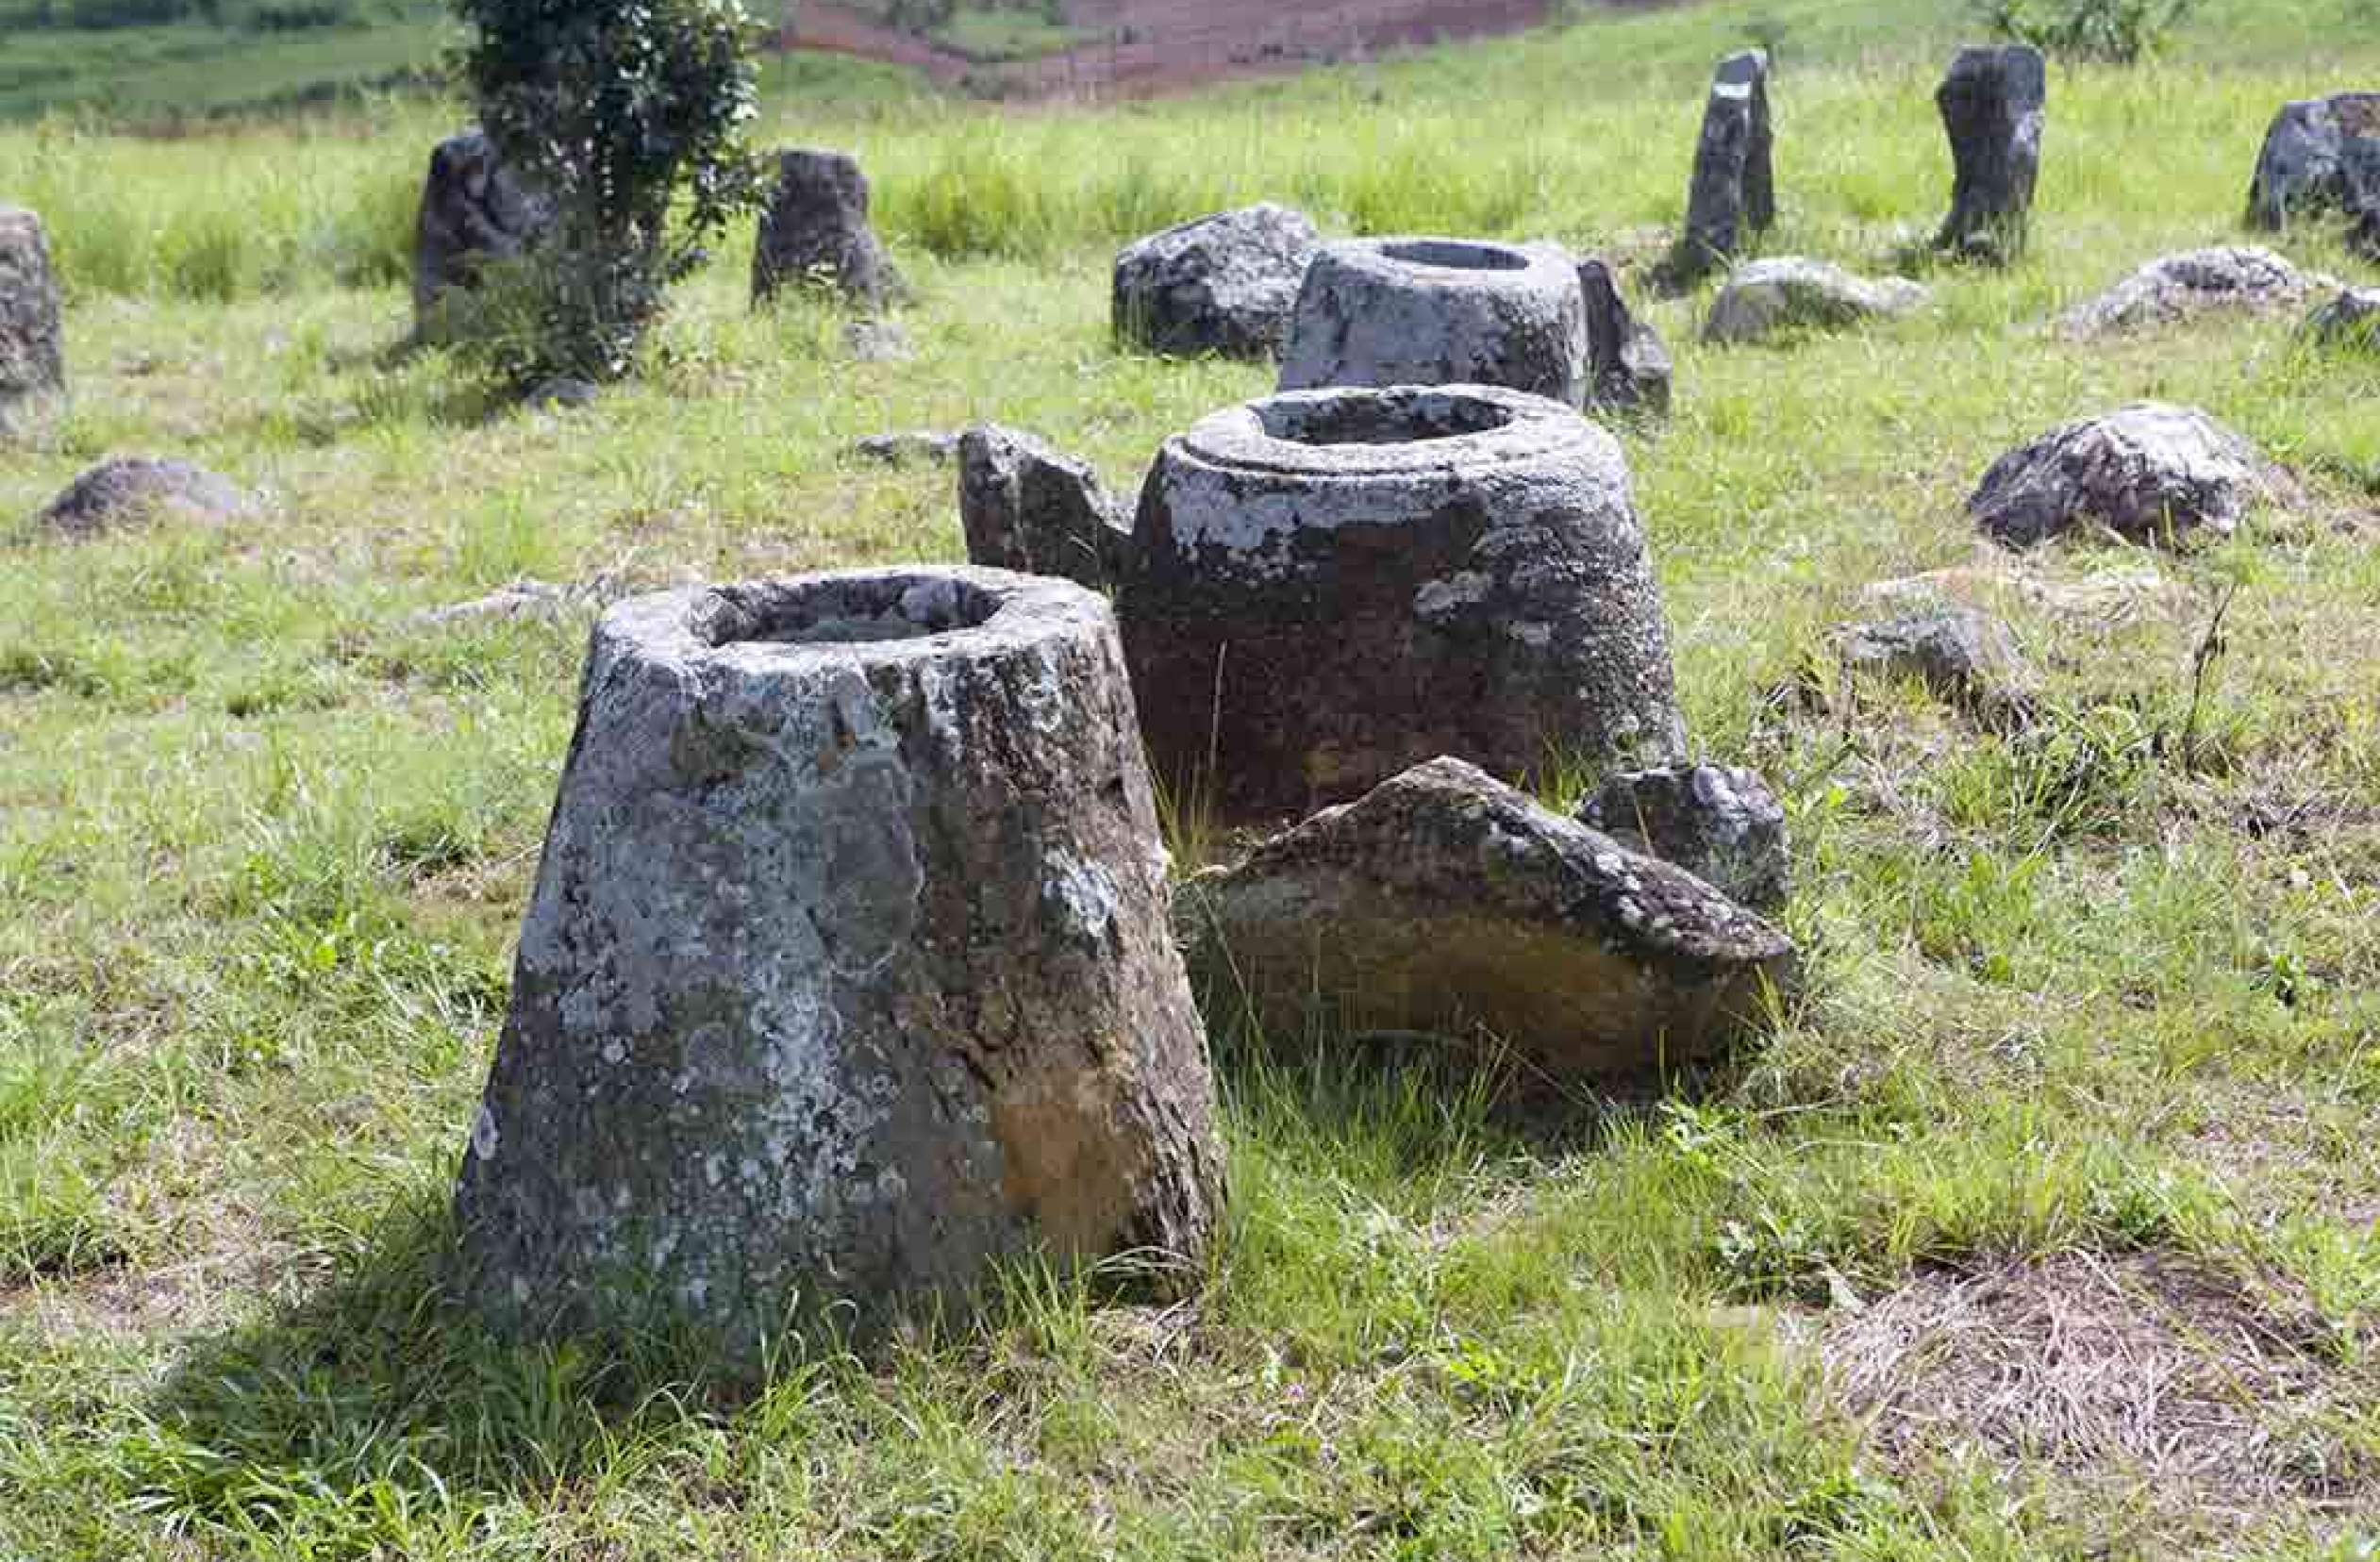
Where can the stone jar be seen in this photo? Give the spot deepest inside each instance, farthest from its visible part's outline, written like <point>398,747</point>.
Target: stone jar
<point>1439,311</point>
<point>847,977</point>
<point>1326,587</point>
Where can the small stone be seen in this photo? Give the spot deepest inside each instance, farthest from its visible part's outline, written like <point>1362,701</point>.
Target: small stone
<point>1629,368</point>
<point>32,323</point>
<point>878,341</point>
<point>1733,194</point>
<point>816,233</point>
<point>1793,293</point>
<point>1380,312</point>
<point>912,447</point>
<point>2177,287</point>
<point>1992,105</point>
<point>523,601</point>
<point>1224,284</point>
<point>1026,508</point>
<point>1716,822</point>
<point>2351,320</point>
<point>1964,657</point>
<point>125,491</point>
<point>2321,156</point>
<point>475,208</point>
<point>1446,903</point>
<point>562,393</point>
<point>2150,472</point>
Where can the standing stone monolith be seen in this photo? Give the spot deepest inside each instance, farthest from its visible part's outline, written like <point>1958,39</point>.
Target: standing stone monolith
<point>2321,156</point>
<point>1628,365</point>
<point>848,980</point>
<point>816,233</point>
<point>1732,195</point>
<point>476,208</point>
<point>32,323</point>
<point>1025,506</point>
<point>1993,103</point>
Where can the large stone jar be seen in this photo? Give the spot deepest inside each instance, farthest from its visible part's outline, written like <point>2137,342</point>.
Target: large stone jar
<point>1326,587</point>
<point>847,977</point>
<point>1440,311</point>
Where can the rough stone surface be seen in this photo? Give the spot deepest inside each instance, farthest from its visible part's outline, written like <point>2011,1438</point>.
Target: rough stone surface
<point>1329,587</point>
<point>916,446</point>
<point>125,491</point>
<point>1718,823</point>
<point>1629,368</point>
<point>475,209</point>
<point>1964,657</point>
<point>2321,156</point>
<point>32,322</point>
<point>2150,472</point>
<point>1733,194</point>
<point>1445,902</point>
<point>2350,319</point>
<point>1439,311</point>
<point>1992,105</point>
<point>1026,508</point>
<point>1792,294</point>
<point>815,233</point>
<point>847,975</point>
<point>2175,287</point>
<point>1224,284</point>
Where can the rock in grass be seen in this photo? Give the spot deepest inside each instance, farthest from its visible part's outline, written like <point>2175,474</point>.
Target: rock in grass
<point>125,491</point>
<point>815,233</point>
<point>878,341</point>
<point>2174,288</point>
<point>1992,105</point>
<point>1792,294</point>
<point>2150,472</point>
<point>1732,193</point>
<point>2351,320</point>
<point>1628,365</point>
<point>847,980</point>
<point>32,323</point>
<point>1444,902</point>
<point>2321,156</point>
<point>1718,823</point>
<point>1224,284</point>
<point>1026,508</point>
<point>475,208</point>
<point>909,447</point>
<point>1963,657</point>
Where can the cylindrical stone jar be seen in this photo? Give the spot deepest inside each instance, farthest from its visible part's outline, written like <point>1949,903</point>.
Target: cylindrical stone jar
<point>847,975</point>
<point>1440,311</point>
<point>1327,588</point>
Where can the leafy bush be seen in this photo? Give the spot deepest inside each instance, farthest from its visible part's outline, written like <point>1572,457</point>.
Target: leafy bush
<point>2116,32</point>
<point>628,115</point>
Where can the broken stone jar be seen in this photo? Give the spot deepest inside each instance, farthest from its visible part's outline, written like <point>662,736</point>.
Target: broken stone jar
<point>847,977</point>
<point>1326,587</point>
<point>1440,311</point>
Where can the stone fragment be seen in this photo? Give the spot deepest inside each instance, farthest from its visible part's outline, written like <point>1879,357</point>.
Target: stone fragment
<point>2321,156</point>
<point>2350,319</point>
<point>1328,587</point>
<point>1964,657</point>
<point>1733,194</point>
<point>1718,823</point>
<point>878,341</point>
<point>1026,508</point>
<point>815,233</point>
<point>1224,284</point>
<point>1629,368</point>
<point>125,491</point>
<point>2150,472</point>
<point>475,208</point>
<point>1444,902</point>
<point>32,325</point>
<point>917,446</point>
<point>562,393</point>
<point>1992,105</point>
<point>1791,293</point>
<point>847,980</point>
<point>1439,311</point>
<point>2176,287</point>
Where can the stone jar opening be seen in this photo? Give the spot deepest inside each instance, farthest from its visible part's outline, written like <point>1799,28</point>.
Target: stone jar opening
<point>854,611</point>
<point>1386,419</point>
<point>1456,255</point>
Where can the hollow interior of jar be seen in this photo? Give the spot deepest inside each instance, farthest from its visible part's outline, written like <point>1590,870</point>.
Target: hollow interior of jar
<point>855,610</point>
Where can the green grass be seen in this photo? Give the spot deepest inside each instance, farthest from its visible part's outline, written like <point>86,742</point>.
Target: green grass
<point>265,839</point>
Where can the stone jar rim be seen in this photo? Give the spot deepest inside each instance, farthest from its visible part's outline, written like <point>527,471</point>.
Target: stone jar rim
<point>1435,261</point>
<point>1359,432</point>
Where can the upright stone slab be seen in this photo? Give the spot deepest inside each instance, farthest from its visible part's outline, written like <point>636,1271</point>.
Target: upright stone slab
<point>1732,195</point>
<point>1439,311</point>
<point>1026,508</point>
<point>1629,368</point>
<point>847,977</point>
<point>475,208</point>
<point>1992,105</point>
<point>1224,284</point>
<point>1328,587</point>
<point>32,323</point>
<point>816,233</point>
<point>2321,156</point>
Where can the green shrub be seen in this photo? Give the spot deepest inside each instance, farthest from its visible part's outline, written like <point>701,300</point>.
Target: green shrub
<point>2116,32</point>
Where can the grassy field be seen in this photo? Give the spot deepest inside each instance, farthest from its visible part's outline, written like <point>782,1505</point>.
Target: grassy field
<point>2072,1148</point>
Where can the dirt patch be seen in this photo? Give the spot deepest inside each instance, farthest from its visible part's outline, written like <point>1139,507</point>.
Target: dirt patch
<point>2142,1375</point>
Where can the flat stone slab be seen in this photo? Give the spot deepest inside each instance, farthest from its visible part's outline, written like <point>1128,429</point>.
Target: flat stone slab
<point>1446,903</point>
<point>1792,294</point>
<point>1225,284</point>
<point>127,491</point>
<point>2150,472</point>
<point>2239,279</point>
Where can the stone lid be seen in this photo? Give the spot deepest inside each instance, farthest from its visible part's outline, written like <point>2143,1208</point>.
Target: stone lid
<point>1352,432</point>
